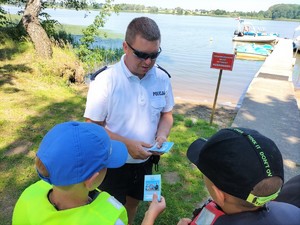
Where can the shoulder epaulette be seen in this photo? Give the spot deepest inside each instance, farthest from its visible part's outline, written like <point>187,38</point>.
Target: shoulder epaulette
<point>159,67</point>
<point>95,74</point>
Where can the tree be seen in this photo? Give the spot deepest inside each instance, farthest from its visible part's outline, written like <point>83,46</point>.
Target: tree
<point>36,32</point>
<point>86,52</point>
<point>179,11</point>
<point>153,9</point>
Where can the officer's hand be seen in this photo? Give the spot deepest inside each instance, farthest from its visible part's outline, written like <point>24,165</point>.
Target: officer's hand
<point>136,149</point>
<point>160,140</point>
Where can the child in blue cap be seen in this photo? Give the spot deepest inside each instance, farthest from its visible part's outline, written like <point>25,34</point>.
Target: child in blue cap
<point>72,161</point>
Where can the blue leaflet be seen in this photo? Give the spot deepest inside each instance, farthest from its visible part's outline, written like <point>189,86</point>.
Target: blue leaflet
<point>164,148</point>
<point>152,185</point>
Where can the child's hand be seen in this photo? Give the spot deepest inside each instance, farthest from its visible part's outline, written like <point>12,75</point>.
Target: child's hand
<point>155,208</point>
<point>184,221</point>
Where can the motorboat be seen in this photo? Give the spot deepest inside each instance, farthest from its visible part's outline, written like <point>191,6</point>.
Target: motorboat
<point>246,32</point>
<point>256,39</point>
<point>253,51</point>
<point>296,40</point>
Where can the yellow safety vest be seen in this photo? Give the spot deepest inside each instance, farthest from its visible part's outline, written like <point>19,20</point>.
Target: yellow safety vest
<point>33,207</point>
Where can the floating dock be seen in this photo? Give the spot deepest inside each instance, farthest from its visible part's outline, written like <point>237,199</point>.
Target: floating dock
<point>270,106</point>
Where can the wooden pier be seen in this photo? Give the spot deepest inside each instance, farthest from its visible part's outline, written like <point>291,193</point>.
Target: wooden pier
<point>279,65</point>
<point>270,106</point>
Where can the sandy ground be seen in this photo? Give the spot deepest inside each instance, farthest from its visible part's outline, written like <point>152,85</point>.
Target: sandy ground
<point>223,116</point>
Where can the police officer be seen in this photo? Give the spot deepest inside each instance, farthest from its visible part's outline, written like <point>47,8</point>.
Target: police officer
<point>133,100</point>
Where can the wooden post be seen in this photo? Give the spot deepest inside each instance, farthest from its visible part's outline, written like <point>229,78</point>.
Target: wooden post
<point>216,96</point>
<point>297,49</point>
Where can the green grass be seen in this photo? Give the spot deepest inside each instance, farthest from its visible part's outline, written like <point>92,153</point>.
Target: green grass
<point>72,29</point>
<point>77,30</point>
<point>33,100</point>
<point>13,18</point>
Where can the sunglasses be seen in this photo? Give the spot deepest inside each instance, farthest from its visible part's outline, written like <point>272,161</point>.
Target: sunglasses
<point>143,55</point>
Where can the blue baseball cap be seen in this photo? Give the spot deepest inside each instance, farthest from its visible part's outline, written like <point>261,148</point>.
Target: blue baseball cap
<point>73,151</point>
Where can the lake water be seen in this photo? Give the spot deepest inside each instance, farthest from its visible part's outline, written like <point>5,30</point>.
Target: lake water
<point>187,46</point>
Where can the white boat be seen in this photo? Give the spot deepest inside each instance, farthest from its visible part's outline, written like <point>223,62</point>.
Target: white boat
<point>296,39</point>
<point>246,32</point>
<point>257,39</point>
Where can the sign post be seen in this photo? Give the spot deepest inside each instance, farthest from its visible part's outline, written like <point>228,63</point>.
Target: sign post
<point>220,61</point>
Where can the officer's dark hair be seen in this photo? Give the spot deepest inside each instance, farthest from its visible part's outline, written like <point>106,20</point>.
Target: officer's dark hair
<point>143,26</point>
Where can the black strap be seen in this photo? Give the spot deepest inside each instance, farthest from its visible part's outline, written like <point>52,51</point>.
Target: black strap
<point>159,67</point>
<point>155,159</point>
<point>95,74</point>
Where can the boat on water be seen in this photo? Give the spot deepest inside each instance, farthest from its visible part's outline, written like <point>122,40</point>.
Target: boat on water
<point>246,32</point>
<point>253,51</point>
<point>256,39</point>
<point>296,40</point>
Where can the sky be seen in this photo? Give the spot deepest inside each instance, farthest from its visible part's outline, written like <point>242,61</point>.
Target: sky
<point>228,5</point>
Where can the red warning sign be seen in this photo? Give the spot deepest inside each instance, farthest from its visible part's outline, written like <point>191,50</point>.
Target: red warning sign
<point>222,61</point>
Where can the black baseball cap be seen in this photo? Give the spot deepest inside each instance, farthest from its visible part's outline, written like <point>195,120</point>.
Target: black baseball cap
<point>236,159</point>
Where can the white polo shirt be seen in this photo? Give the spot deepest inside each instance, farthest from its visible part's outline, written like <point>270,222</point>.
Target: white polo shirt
<point>130,107</point>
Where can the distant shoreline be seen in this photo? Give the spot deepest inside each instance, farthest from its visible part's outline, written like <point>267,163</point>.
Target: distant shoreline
<point>186,12</point>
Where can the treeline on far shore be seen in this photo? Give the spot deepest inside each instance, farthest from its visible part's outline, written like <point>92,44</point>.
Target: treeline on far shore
<point>275,12</point>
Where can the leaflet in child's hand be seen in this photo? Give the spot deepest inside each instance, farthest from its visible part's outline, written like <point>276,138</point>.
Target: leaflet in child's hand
<point>152,185</point>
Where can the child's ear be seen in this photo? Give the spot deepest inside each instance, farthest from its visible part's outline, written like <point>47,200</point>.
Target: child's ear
<point>219,195</point>
<point>89,183</point>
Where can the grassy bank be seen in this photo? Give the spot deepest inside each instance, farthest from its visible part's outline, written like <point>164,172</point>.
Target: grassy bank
<point>77,30</point>
<point>33,100</point>
<point>71,29</point>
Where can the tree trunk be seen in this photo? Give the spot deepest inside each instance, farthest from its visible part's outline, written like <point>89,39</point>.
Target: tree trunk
<point>38,35</point>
